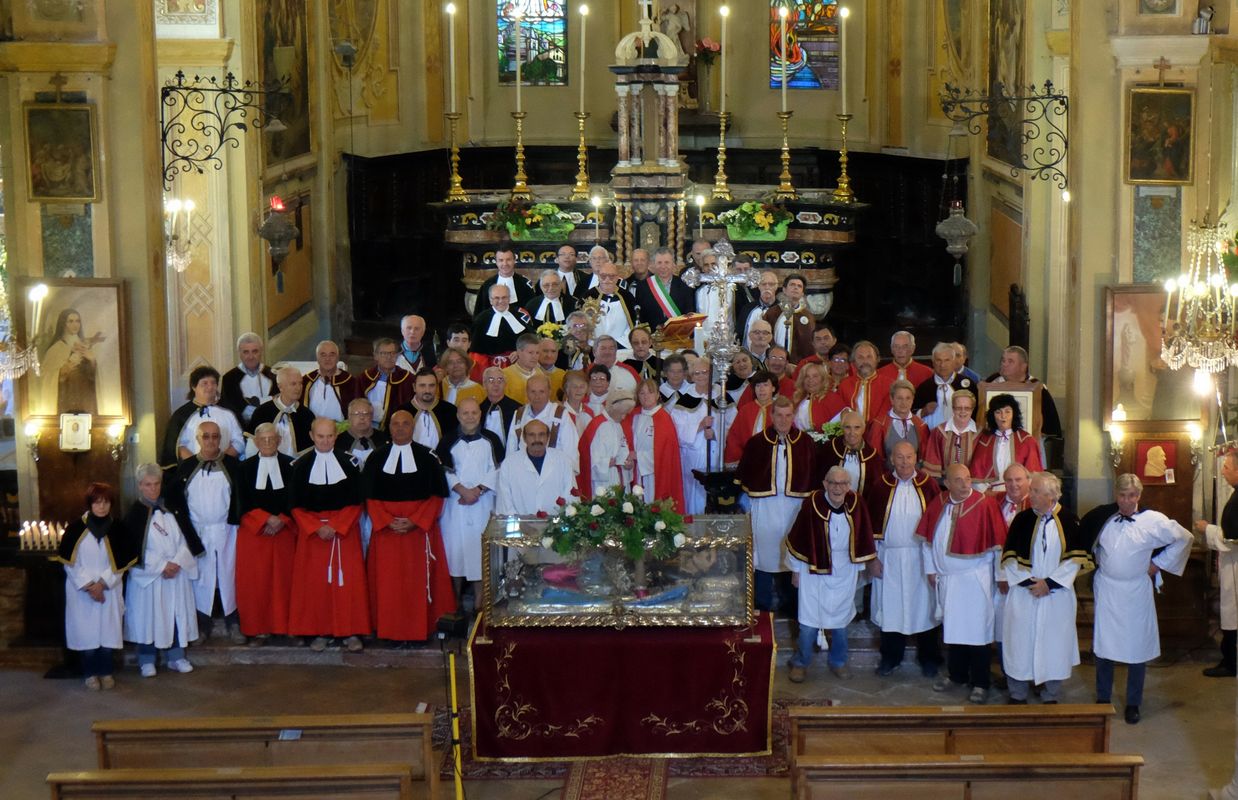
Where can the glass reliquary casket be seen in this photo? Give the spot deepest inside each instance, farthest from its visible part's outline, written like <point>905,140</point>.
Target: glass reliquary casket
<point>706,583</point>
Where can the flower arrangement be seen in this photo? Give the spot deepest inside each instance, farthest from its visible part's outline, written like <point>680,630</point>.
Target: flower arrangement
<point>551,330</point>
<point>828,431</point>
<point>525,221</point>
<point>756,219</point>
<point>707,50</point>
<point>617,519</point>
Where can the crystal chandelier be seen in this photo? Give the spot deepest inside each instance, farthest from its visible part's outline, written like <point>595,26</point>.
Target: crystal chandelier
<point>1198,330</point>
<point>177,222</point>
<point>16,360</point>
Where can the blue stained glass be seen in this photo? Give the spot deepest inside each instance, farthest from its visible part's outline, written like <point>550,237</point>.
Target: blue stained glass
<point>812,55</point>
<point>543,48</point>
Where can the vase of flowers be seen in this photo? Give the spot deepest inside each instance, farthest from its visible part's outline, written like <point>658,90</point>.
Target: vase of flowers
<point>532,222</point>
<point>756,221</point>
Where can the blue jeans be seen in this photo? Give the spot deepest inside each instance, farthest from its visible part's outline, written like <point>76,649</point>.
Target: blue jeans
<point>772,591</point>
<point>837,641</point>
<point>147,652</point>
<point>1135,673</point>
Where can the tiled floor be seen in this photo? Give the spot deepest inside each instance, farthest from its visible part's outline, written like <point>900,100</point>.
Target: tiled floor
<point>1187,733</point>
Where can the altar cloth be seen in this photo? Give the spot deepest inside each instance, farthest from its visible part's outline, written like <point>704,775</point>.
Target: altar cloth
<point>572,693</point>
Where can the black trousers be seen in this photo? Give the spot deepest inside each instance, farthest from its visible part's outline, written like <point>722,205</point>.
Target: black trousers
<point>1229,648</point>
<point>894,645</point>
<point>969,663</point>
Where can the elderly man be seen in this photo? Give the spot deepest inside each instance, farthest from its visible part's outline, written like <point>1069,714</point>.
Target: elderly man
<point>793,330</point>
<point>605,460</point>
<point>1014,369</point>
<point>360,439</point>
<point>776,471</point>
<point>848,450</point>
<point>1221,538</point>
<point>495,329</point>
<point>1129,545</point>
<point>203,485</point>
<point>526,364</point>
<point>519,290</point>
<point>574,281</point>
<point>1044,552</point>
<point>386,384</point>
<point>563,435</point>
<point>829,540</point>
<point>576,352</point>
<point>962,533</point>
<point>497,410</point>
<point>904,366</point>
<point>414,353</point>
<point>898,424</point>
<point>472,458</point>
<point>552,304</point>
<point>865,390</point>
<point>291,419</point>
<point>606,354</point>
<point>456,384</point>
<point>903,603</point>
<point>247,385</point>
<point>180,437</point>
<point>433,418</point>
<point>616,319</point>
<point>932,400</point>
<point>536,478</point>
<point>266,539</point>
<point>410,586</point>
<point>760,335</point>
<point>548,364</point>
<point>663,295</point>
<point>329,594</point>
<point>329,389</point>
<point>767,298</point>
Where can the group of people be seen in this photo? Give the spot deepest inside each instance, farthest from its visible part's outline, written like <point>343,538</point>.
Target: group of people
<point>336,506</point>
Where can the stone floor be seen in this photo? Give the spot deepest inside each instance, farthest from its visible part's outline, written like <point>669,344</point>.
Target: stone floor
<point>1187,733</point>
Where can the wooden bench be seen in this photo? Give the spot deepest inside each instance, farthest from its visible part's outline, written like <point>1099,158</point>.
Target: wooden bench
<point>945,730</point>
<point>339,782</point>
<point>1095,776</point>
<point>281,741</point>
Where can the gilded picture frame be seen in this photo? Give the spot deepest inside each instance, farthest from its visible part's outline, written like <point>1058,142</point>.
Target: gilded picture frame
<point>1159,136</point>
<point>62,152</point>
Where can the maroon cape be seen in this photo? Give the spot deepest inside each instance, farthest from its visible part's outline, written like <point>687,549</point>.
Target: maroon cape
<point>881,494</point>
<point>809,537</point>
<point>979,526</point>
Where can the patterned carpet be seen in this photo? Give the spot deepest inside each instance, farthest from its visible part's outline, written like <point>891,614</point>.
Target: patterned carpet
<point>617,779</point>
<point>775,765</point>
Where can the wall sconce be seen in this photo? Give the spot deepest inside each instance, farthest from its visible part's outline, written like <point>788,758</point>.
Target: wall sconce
<point>177,232</point>
<point>32,439</point>
<point>1117,444</point>
<point>1196,435</point>
<point>116,441</point>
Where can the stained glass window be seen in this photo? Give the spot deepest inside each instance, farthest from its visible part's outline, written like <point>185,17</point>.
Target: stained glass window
<point>543,49</point>
<point>812,44</point>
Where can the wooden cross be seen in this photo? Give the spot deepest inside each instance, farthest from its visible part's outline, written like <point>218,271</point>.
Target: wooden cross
<point>1161,66</point>
<point>58,81</point>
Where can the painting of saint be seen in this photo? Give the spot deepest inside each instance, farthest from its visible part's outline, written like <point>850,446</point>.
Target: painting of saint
<point>70,366</point>
<point>1158,135</point>
<point>1005,142</point>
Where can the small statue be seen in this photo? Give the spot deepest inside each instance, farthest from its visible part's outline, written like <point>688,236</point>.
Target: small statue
<point>1202,25</point>
<point>513,578</point>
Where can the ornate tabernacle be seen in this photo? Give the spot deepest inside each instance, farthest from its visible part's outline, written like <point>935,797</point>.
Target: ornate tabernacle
<point>705,581</point>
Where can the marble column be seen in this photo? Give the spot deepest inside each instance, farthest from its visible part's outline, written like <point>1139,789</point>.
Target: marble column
<point>638,125</point>
<point>624,113</point>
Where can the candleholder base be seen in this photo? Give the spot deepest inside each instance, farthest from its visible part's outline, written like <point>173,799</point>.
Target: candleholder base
<point>843,192</point>
<point>581,190</point>
<point>721,190</point>
<point>455,194</point>
<point>785,191</point>
<point>520,187</point>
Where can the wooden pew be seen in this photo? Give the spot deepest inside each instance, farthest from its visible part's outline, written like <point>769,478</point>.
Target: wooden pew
<point>944,730</point>
<point>339,782</point>
<point>1096,776</point>
<point>280,741</point>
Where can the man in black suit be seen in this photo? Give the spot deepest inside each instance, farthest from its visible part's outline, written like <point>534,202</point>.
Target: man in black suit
<point>663,294</point>
<point>933,396</point>
<point>249,384</point>
<point>521,290</point>
<point>575,281</point>
<point>756,309</point>
<point>495,329</point>
<point>554,303</point>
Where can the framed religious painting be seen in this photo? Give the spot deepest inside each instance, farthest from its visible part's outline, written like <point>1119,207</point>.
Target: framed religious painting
<point>1006,24</point>
<point>58,20</point>
<point>1137,383</point>
<point>62,152</point>
<point>284,61</point>
<point>1029,397</point>
<point>1160,126</point>
<point>80,333</point>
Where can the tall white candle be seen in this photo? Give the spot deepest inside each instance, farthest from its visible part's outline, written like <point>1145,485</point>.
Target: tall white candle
<point>782,44</point>
<point>451,56</point>
<point>725,11</point>
<point>584,18</point>
<point>519,36</point>
<point>843,14</point>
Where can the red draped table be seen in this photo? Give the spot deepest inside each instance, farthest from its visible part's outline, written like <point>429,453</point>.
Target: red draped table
<point>564,693</point>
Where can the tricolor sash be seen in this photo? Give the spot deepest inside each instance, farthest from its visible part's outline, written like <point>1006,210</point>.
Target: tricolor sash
<point>662,294</point>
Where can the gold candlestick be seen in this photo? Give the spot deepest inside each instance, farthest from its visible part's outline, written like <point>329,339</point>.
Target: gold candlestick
<point>456,193</point>
<point>581,190</point>
<point>843,193</point>
<point>785,190</point>
<point>520,189</point>
<point>721,190</point>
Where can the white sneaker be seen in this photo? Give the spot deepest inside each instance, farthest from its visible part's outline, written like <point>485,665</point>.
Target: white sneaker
<point>148,670</point>
<point>181,665</point>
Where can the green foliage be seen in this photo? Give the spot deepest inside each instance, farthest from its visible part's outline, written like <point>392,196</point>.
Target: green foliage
<point>617,519</point>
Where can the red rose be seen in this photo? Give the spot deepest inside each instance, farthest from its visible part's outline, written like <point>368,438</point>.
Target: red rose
<point>612,502</point>
<point>654,508</point>
<point>629,521</point>
<point>688,519</point>
<point>560,501</point>
<point>542,515</point>
<point>575,492</point>
<point>593,526</point>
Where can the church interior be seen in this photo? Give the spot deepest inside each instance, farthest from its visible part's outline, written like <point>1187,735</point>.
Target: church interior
<point>1050,175</point>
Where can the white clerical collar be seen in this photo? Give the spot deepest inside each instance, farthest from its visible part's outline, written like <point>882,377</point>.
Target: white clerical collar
<point>498,318</point>
<point>268,474</point>
<point>971,426</point>
<point>509,281</point>
<point>401,457</point>
<point>326,469</point>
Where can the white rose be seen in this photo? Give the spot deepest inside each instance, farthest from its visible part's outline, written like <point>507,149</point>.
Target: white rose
<point>547,542</point>
<point>597,510</point>
<point>605,491</point>
<point>628,508</point>
<point>638,491</point>
<point>570,511</point>
<point>659,526</point>
<point>680,540</point>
